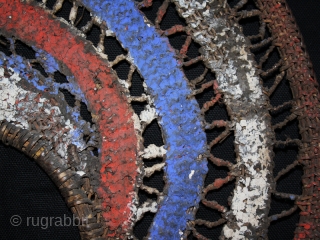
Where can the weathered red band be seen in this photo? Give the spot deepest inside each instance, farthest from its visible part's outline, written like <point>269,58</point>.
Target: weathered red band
<point>105,100</point>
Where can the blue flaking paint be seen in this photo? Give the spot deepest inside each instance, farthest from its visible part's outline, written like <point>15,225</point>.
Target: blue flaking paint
<point>49,84</point>
<point>50,65</point>
<point>48,62</point>
<point>23,68</point>
<point>185,139</point>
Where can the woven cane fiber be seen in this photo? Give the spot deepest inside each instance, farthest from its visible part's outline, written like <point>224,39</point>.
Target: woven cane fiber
<point>277,38</point>
<point>220,113</point>
<point>305,91</point>
<point>116,226</point>
<point>77,160</point>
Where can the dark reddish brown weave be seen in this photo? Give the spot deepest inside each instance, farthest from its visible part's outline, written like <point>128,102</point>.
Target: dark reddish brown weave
<point>306,96</point>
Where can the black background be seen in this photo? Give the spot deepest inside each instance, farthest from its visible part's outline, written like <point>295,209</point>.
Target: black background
<point>28,192</point>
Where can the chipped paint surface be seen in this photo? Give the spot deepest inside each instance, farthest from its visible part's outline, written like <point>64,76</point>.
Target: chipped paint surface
<point>50,65</point>
<point>251,190</point>
<point>148,206</point>
<point>185,139</point>
<point>191,174</point>
<point>30,110</point>
<point>148,115</point>
<point>153,151</point>
<point>114,121</point>
<point>9,95</point>
<point>150,170</point>
<point>225,52</point>
<point>22,106</point>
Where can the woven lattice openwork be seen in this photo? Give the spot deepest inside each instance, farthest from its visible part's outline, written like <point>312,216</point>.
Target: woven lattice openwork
<point>99,86</point>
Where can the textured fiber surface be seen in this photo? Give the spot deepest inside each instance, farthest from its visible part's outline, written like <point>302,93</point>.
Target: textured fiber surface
<point>34,25</point>
<point>27,189</point>
<point>224,50</point>
<point>22,106</point>
<point>305,91</point>
<point>180,117</point>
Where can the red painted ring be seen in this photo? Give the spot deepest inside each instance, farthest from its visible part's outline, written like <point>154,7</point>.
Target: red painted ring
<point>118,154</point>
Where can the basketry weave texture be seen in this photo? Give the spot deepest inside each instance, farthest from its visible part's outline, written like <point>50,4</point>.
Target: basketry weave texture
<point>305,92</point>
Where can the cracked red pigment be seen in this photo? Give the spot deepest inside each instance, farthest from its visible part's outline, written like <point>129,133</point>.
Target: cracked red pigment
<point>118,150</point>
